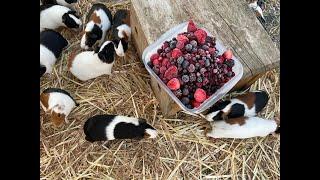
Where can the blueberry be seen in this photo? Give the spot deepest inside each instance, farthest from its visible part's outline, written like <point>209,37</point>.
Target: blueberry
<point>229,63</point>
<point>205,47</point>
<point>185,71</point>
<point>173,44</point>
<point>185,100</point>
<point>185,92</point>
<point>188,47</point>
<point>207,62</point>
<point>194,50</point>
<point>194,43</point>
<point>185,78</point>
<point>185,64</point>
<point>180,60</point>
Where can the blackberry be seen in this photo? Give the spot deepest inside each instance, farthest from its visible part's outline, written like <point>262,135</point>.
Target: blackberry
<point>185,78</point>
<point>194,43</point>
<point>180,60</point>
<point>185,92</point>
<point>185,100</point>
<point>188,47</point>
<point>199,79</point>
<point>173,44</point>
<point>184,71</point>
<point>192,77</point>
<point>185,64</point>
<point>191,68</point>
<point>177,93</point>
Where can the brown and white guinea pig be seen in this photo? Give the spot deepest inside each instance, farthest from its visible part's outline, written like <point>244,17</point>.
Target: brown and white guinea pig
<point>110,127</point>
<point>52,44</point>
<point>91,64</point>
<point>99,21</point>
<point>248,105</point>
<point>243,127</point>
<point>121,31</point>
<point>59,103</point>
<point>56,16</point>
<point>67,3</point>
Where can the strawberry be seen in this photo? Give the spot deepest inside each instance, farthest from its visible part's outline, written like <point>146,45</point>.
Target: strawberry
<point>227,54</point>
<point>173,84</point>
<point>200,95</point>
<point>176,53</point>
<point>201,36</point>
<point>171,72</point>
<point>191,26</point>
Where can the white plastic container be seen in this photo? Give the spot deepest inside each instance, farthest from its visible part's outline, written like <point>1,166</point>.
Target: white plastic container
<point>237,69</point>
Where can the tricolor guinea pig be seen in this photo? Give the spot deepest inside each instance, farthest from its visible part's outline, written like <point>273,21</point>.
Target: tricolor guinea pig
<point>243,127</point>
<point>91,64</point>
<point>121,31</point>
<point>52,44</point>
<point>67,3</point>
<point>56,16</point>
<point>99,21</point>
<point>248,105</point>
<point>110,127</point>
<point>59,103</point>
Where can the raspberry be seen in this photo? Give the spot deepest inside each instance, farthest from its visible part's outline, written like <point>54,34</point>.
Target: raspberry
<point>154,56</point>
<point>163,69</point>
<point>191,68</point>
<point>168,55</point>
<point>173,84</point>
<point>227,54</point>
<point>180,45</point>
<point>156,62</point>
<point>200,95</point>
<point>201,36</point>
<point>176,53</point>
<point>185,78</point>
<point>191,26</point>
<point>212,50</point>
<point>171,72</point>
<point>195,104</point>
<point>199,84</point>
<point>165,61</point>
<point>182,38</point>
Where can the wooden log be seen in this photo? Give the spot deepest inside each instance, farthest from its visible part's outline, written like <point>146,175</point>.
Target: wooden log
<point>231,21</point>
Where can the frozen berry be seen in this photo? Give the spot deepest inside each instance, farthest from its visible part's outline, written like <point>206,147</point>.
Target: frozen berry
<point>180,60</point>
<point>179,45</point>
<point>212,50</point>
<point>185,100</point>
<point>171,72</point>
<point>185,92</point>
<point>197,65</point>
<point>156,62</point>
<point>188,47</point>
<point>201,62</point>
<point>182,38</point>
<point>207,63</point>
<point>200,95</point>
<point>154,56</point>
<point>159,51</point>
<point>194,50</point>
<point>167,50</point>
<point>201,36</point>
<point>176,53</point>
<point>178,93</point>
<point>195,104</point>
<point>199,84</point>
<point>192,77</point>
<point>165,61</point>
<point>156,70</point>
<point>229,63</point>
<point>194,59</point>
<point>163,69</point>
<point>198,56</point>
<point>227,54</point>
<point>191,68</point>
<point>185,64</point>
<point>205,47</point>
<point>173,84</point>
<point>185,78</point>
<point>205,81</point>
<point>191,26</point>
<point>184,71</point>
<point>172,44</point>
<point>199,79</point>
<point>194,43</point>
<point>203,70</point>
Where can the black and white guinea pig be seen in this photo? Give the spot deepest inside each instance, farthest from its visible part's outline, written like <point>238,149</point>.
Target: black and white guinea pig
<point>248,104</point>
<point>91,64</point>
<point>99,21</point>
<point>59,103</point>
<point>243,127</point>
<point>121,31</point>
<point>51,45</point>
<point>67,3</point>
<point>110,127</point>
<point>56,16</point>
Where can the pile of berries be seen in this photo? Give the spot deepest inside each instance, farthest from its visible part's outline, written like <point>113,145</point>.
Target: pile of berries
<point>190,66</point>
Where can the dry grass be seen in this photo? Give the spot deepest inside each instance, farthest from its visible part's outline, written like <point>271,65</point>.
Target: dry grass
<point>180,151</point>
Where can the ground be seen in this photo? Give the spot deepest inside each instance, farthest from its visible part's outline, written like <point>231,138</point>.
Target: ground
<point>181,150</point>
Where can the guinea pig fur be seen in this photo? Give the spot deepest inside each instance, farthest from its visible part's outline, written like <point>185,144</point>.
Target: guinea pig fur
<point>248,105</point>
<point>55,16</point>
<point>99,22</point>
<point>51,45</point>
<point>91,64</point>
<point>243,127</point>
<point>121,31</point>
<point>110,127</point>
<point>67,3</point>
<point>59,103</point>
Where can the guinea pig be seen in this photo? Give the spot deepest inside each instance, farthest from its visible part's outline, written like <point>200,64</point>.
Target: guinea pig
<point>110,127</point>
<point>99,22</point>
<point>67,3</point>
<point>51,45</point>
<point>91,64</point>
<point>59,103</point>
<point>243,127</point>
<point>121,31</point>
<point>253,4</point>
<point>248,105</point>
<point>55,16</point>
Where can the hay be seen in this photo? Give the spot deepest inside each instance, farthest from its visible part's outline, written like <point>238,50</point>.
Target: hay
<point>180,151</point>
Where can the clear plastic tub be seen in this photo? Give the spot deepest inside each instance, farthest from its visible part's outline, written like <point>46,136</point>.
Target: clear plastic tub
<point>237,69</point>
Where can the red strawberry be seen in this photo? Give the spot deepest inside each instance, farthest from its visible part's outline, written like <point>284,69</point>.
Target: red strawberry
<point>171,72</point>
<point>191,26</point>
<point>176,53</point>
<point>212,50</point>
<point>154,56</point>
<point>173,84</point>
<point>182,38</point>
<point>165,61</point>
<point>227,54</point>
<point>200,95</point>
<point>195,104</point>
<point>201,36</point>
